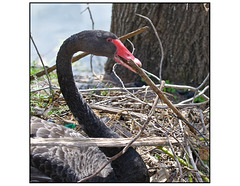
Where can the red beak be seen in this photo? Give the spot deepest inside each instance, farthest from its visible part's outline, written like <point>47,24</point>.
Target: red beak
<point>123,55</point>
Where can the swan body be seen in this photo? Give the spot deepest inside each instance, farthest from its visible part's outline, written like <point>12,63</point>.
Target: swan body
<point>61,163</point>
<point>68,164</point>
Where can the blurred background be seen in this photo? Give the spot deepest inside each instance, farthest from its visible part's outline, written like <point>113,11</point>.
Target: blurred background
<point>52,23</point>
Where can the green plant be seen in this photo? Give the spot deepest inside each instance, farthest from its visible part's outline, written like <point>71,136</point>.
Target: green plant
<point>170,90</point>
<point>104,93</point>
<point>199,100</point>
<point>165,150</point>
<point>143,79</point>
<point>40,100</point>
<point>35,68</point>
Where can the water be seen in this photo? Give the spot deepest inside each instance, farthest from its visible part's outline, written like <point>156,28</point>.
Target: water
<point>52,23</point>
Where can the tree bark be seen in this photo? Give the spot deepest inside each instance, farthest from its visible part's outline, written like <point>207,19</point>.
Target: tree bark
<point>184,32</point>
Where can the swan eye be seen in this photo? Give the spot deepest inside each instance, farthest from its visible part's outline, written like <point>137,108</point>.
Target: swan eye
<point>109,40</point>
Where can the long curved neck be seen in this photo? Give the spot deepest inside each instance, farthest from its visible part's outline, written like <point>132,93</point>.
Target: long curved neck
<point>91,123</point>
<point>128,167</point>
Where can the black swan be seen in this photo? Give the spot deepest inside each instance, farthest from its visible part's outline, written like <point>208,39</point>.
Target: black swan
<point>65,164</point>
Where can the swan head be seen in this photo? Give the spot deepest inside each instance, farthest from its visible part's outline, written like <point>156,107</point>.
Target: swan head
<point>103,43</point>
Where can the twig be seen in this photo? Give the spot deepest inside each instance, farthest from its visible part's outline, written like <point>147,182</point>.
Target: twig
<point>182,162</point>
<point>160,44</point>
<point>175,157</point>
<point>116,110</point>
<point>186,87</point>
<point>90,13</point>
<point>160,106</point>
<point>195,129</point>
<point>162,96</point>
<point>189,155</point>
<point>114,66</point>
<point>52,68</point>
<point>136,88</point>
<point>204,81</point>
<point>44,88</point>
<point>199,158</point>
<point>158,92</point>
<point>91,66</point>
<point>45,70</point>
<point>144,87</point>
<point>48,110</point>
<point>100,142</point>
<point>165,132</point>
<point>187,100</point>
<point>77,57</point>
<point>193,164</point>
<point>151,74</point>
<point>184,105</point>
<point>133,48</point>
<point>203,123</point>
<point>196,90</point>
<point>205,7</point>
<point>91,56</point>
<point>134,33</point>
<point>110,122</point>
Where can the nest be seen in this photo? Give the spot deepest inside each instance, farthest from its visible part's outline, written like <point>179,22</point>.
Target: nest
<point>125,111</point>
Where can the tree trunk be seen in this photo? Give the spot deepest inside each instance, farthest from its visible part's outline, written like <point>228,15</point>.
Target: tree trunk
<point>184,31</point>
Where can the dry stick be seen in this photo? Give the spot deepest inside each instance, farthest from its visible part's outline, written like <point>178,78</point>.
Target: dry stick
<point>195,96</point>
<point>130,88</point>
<point>113,70</point>
<point>186,87</point>
<point>181,86</point>
<point>45,70</point>
<point>162,96</point>
<point>124,88</point>
<point>182,162</point>
<point>203,123</point>
<point>77,57</point>
<point>139,88</point>
<point>52,68</point>
<point>122,81</point>
<point>133,48</point>
<point>204,81</point>
<point>193,164</point>
<point>186,122</point>
<point>100,142</point>
<point>43,88</point>
<point>160,44</point>
<point>189,153</point>
<point>165,133</point>
<point>185,143</point>
<point>163,130</point>
<point>112,119</point>
<point>206,168</point>
<point>185,105</point>
<point>158,92</point>
<point>134,33</point>
<point>90,13</point>
<point>175,157</point>
<point>91,56</point>
<point>171,155</point>
<point>126,147</point>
